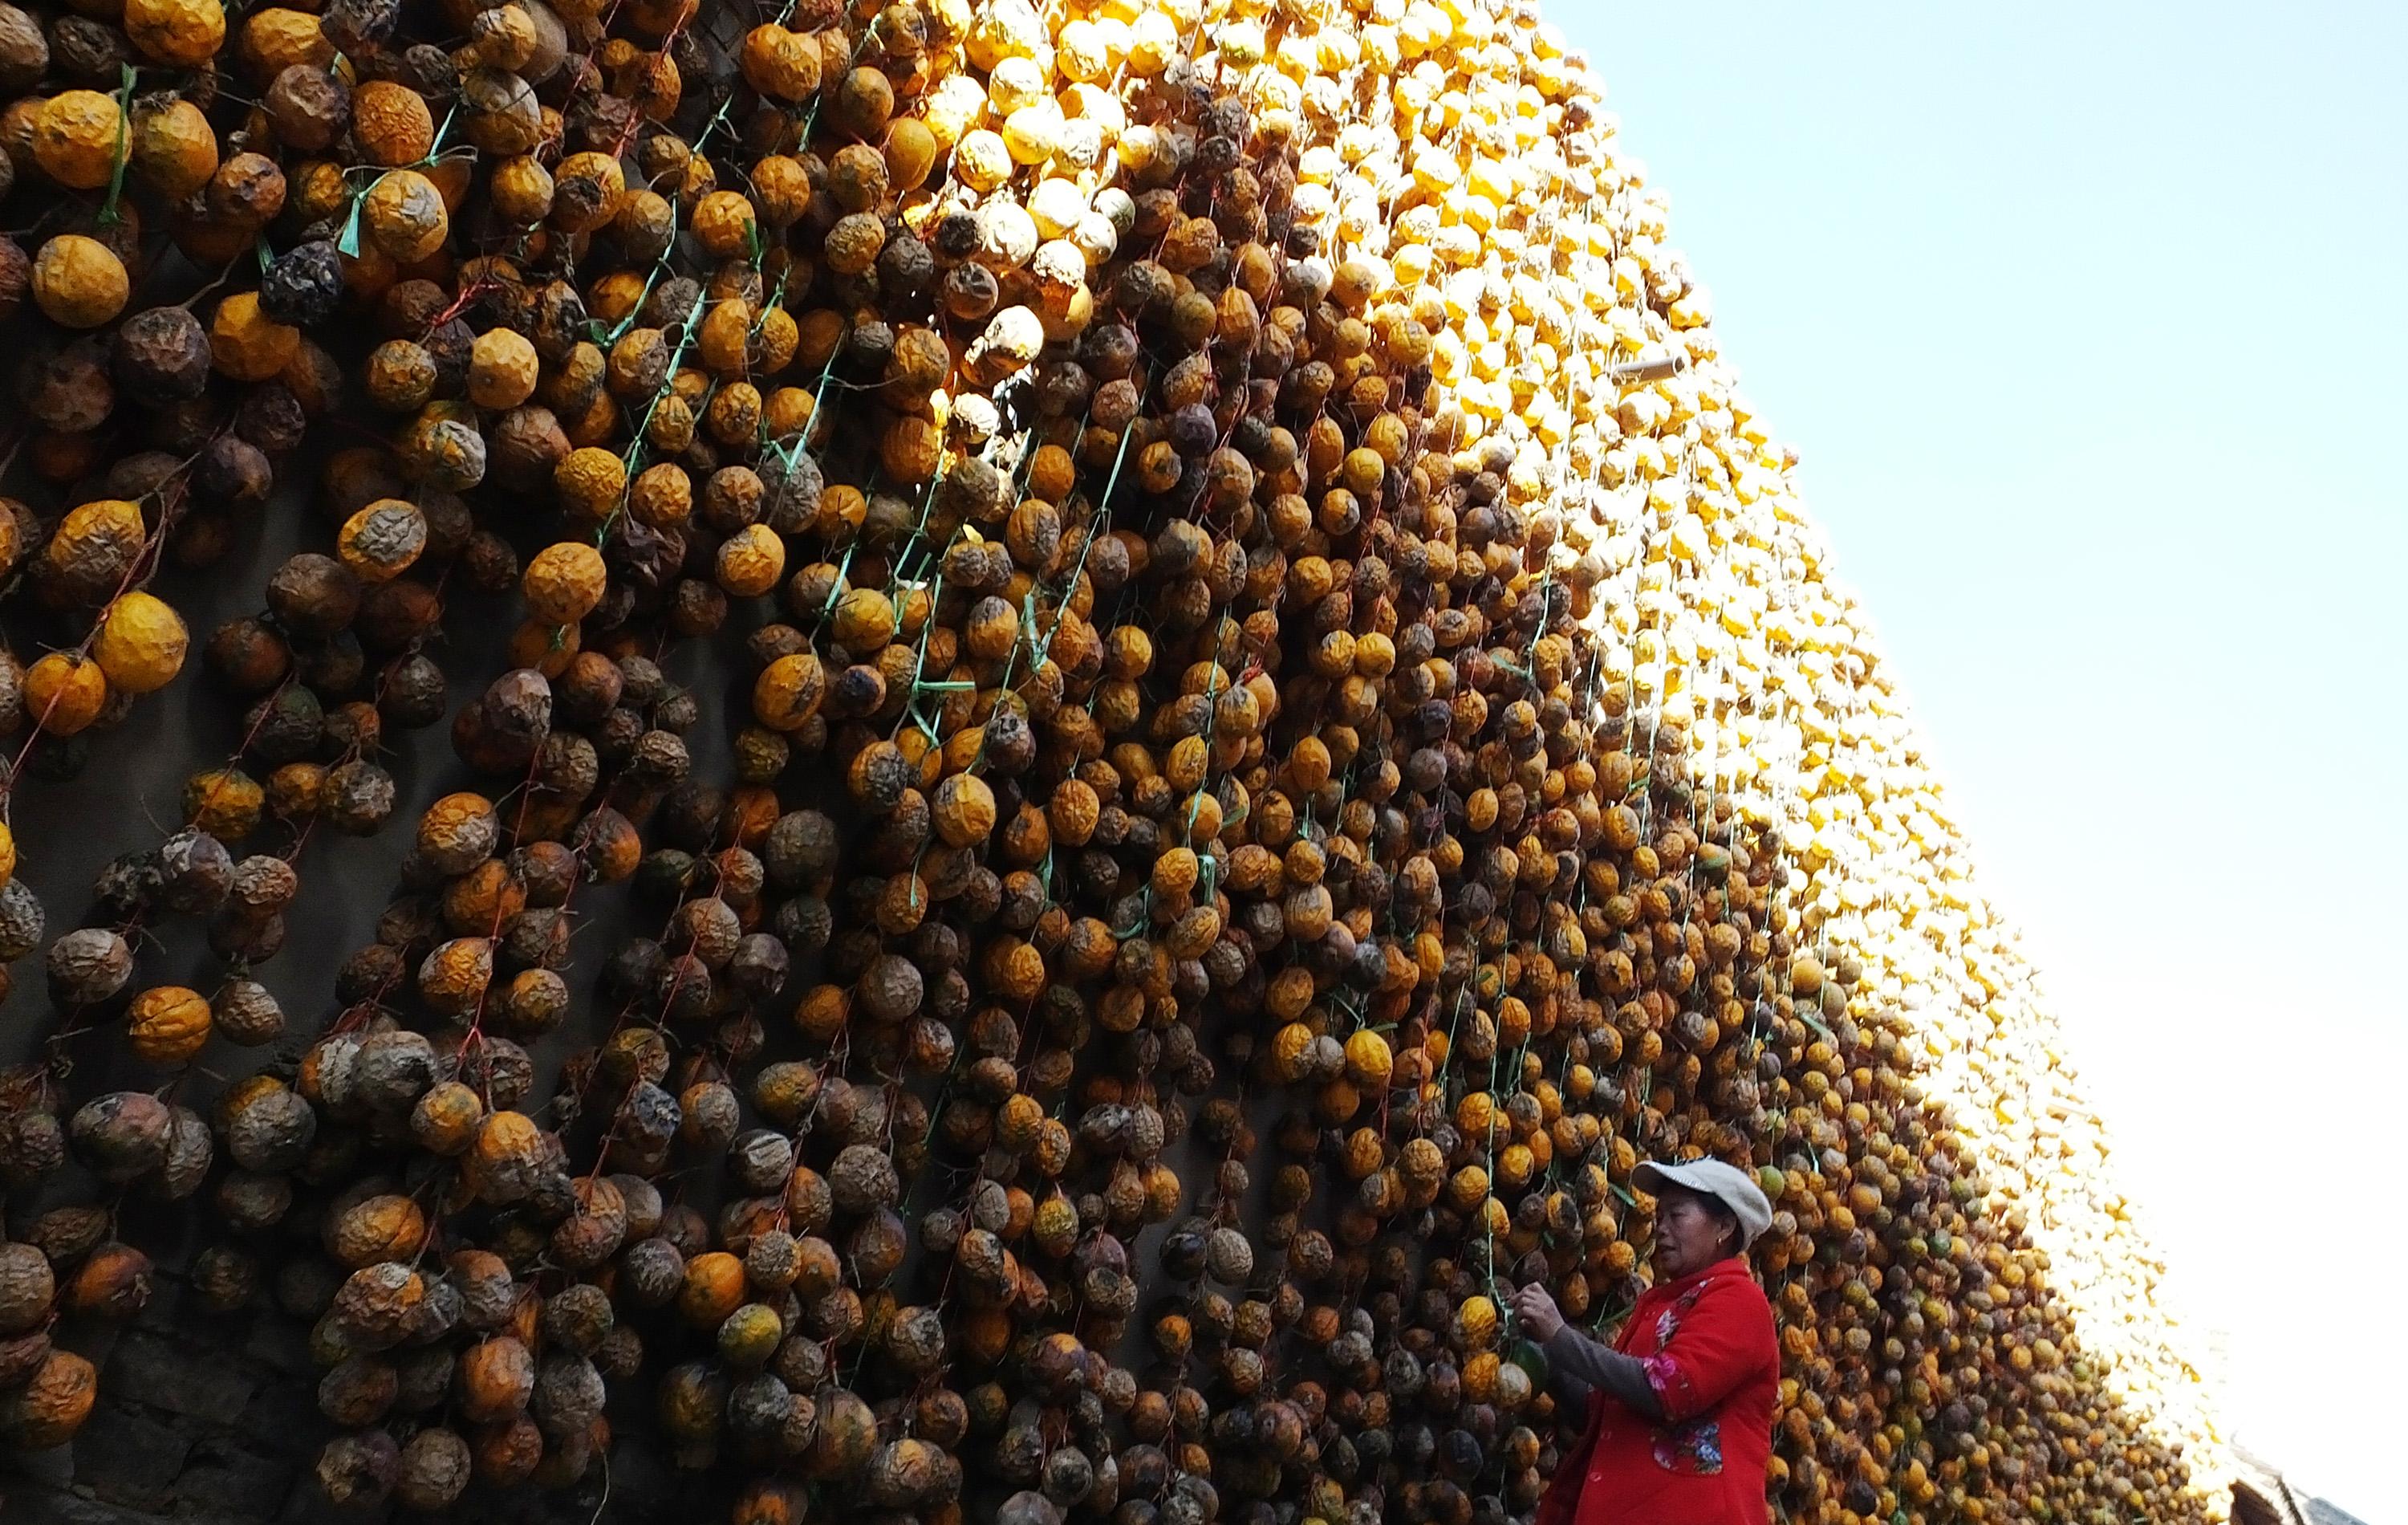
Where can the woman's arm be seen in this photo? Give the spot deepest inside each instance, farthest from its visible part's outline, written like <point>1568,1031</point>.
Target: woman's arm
<point>1726,1338</point>
<point>1575,1358</point>
<point>1610,1371</point>
<point>1571,1392</point>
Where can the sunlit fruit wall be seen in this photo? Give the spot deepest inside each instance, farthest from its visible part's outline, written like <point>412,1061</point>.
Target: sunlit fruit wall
<point>1015,743</point>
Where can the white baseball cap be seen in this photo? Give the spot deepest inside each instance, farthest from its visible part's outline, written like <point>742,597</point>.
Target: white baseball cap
<point>1726,1184</point>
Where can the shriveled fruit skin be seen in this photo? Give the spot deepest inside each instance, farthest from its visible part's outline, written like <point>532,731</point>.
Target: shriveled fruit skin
<point>404,215</point>
<point>308,107</point>
<point>52,1404</point>
<point>78,282</point>
<point>161,356</point>
<point>16,277</point>
<point>142,643</point>
<point>303,286</point>
<point>78,137</point>
<point>247,344</point>
<point>186,33</point>
<point>173,147</point>
<point>65,693</point>
<point>169,1024</point>
<point>25,51</point>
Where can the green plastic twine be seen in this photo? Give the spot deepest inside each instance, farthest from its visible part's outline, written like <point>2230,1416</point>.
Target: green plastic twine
<point>109,215</point>
<point>347,242</point>
<point>842,568</point>
<point>921,682</point>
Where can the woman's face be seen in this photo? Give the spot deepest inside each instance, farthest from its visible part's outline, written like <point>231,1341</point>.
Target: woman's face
<point>1689,1235</point>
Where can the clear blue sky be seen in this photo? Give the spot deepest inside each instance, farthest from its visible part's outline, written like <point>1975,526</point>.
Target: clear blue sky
<point>2091,323</point>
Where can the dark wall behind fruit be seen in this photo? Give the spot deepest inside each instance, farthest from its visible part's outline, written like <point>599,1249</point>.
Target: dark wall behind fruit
<point>203,1416</point>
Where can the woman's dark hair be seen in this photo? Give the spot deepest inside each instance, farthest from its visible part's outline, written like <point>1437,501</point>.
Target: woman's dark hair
<point>1725,1218</point>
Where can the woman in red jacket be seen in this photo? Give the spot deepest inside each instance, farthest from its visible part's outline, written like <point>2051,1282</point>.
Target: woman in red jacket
<point>1678,1420</point>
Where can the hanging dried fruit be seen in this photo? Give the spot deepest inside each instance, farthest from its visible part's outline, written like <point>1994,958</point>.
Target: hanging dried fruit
<point>1323,686</point>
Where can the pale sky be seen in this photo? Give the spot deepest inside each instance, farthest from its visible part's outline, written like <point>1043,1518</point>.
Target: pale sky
<point>2091,324</point>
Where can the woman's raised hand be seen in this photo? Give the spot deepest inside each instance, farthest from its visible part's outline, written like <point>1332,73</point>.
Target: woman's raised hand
<point>1537,1312</point>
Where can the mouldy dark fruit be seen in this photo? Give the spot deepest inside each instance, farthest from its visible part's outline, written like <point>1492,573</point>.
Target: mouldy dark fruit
<point>161,356</point>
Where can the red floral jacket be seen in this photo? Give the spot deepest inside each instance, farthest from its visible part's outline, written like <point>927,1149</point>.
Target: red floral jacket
<point>1708,1345</point>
